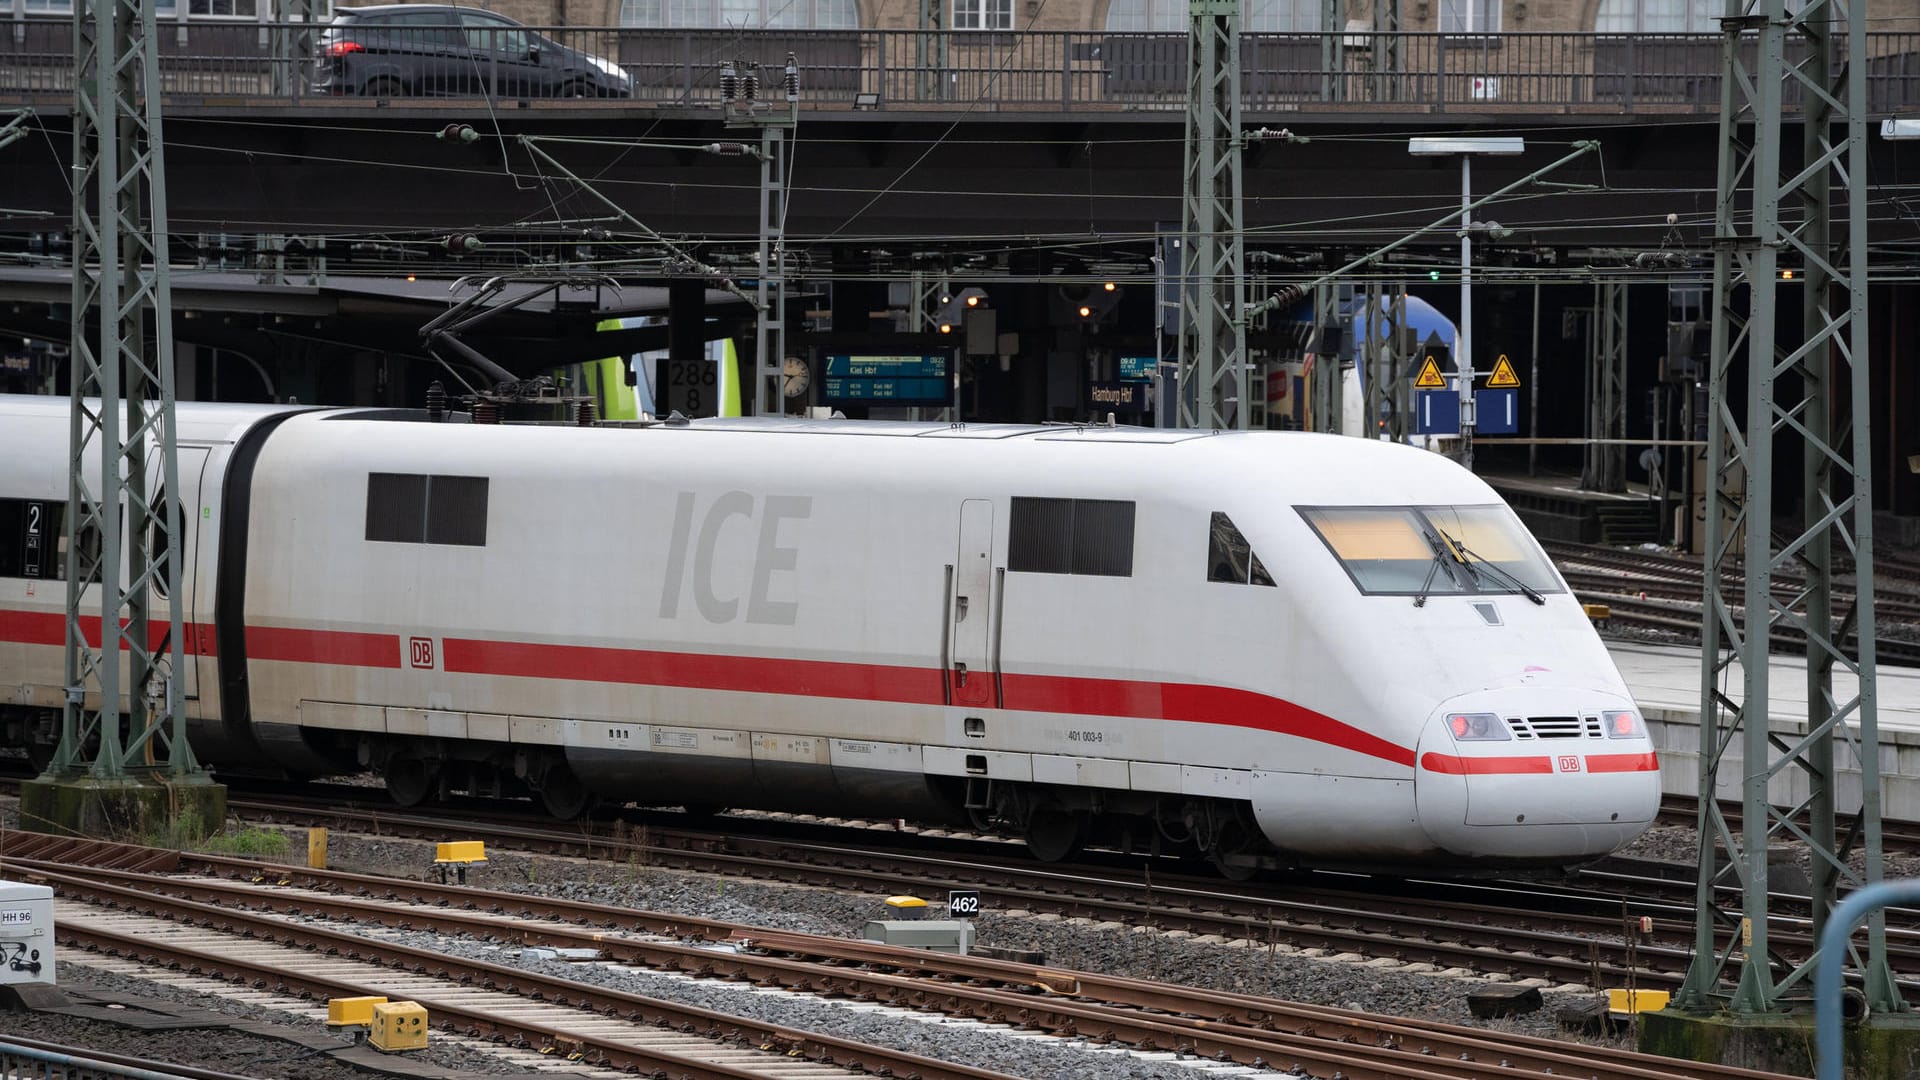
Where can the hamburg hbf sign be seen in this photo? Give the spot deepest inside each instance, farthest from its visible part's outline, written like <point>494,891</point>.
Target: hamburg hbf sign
<point>1117,396</point>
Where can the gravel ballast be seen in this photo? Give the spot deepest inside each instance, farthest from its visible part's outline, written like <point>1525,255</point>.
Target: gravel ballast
<point>1377,986</point>
<point>1272,971</point>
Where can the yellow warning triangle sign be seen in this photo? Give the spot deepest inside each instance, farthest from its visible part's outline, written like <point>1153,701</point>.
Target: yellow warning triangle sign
<point>1503,373</point>
<point>1429,377</point>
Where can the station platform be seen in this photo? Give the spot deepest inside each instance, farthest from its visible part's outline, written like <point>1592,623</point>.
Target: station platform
<point>1554,507</point>
<point>1665,681</point>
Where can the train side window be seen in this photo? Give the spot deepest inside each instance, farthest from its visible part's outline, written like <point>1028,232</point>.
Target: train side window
<point>1040,537</point>
<point>1230,558</point>
<point>397,508</point>
<point>1103,537</point>
<point>457,510</point>
<point>1071,536</point>
<point>33,539</point>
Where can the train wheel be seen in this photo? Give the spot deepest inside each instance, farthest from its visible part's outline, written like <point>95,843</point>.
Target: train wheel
<point>1054,834</point>
<point>563,794</point>
<point>409,780</point>
<point>1233,839</point>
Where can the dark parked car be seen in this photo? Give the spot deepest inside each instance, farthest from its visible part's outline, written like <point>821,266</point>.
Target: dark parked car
<point>434,49</point>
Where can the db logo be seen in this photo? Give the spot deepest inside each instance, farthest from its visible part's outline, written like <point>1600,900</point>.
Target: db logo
<point>1569,762</point>
<point>420,652</point>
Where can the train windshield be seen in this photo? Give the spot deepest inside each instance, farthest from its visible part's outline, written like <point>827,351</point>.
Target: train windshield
<point>1433,550</point>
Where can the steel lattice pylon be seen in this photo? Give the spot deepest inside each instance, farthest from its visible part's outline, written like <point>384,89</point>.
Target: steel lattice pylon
<point>295,30</point>
<point>1606,462</point>
<point>773,119</point>
<point>1326,384</point>
<point>122,413</point>
<point>1213,336</point>
<point>1809,398</point>
<point>1383,352</point>
<point>1388,65</point>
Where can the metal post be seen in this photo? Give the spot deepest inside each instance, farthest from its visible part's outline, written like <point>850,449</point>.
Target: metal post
<point>1386,50</point>
<point>1213,338</point>
<point>773,118</point>
<point>292,46</point>
<point>1605,467</point>
<point>1533,390</point>
<point>1333,51</point>
<point>121,546</point>
<point>1326,383</point>
<point>770,331</point>
<point>1789,583</point>
<point>1372,354</point>
<point>1463,345</point>
<point>930,45</point>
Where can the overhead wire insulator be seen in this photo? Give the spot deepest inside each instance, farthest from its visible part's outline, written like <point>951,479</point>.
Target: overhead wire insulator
<point>729,82</point>
<point>726,149</point>
<point>457,133</point>
<point>750,86</point>
<point>791,81</point>
<point>462,244</point>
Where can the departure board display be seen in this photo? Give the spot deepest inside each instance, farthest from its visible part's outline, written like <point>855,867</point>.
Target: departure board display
<point>926,379</point>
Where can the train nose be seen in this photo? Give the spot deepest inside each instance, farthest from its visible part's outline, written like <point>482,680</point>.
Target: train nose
<point>1536,776</point>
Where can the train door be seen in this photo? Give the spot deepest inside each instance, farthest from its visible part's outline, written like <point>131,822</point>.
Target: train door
<point>970,676</point>
<point>194,530</point>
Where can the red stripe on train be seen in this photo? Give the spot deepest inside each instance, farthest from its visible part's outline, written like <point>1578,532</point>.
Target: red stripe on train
<point>1647,762</point>
<point>694,671</point>
<point>910,685</point>
<point>1454,765</point>
<point>50,628</point>
<point>346,647</point>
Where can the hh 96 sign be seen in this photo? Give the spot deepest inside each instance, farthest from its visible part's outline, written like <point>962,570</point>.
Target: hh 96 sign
<point>963,903</point>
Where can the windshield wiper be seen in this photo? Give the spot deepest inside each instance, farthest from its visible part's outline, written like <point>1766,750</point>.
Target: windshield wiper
<point>1474,563</point>
<point>1440,558</point>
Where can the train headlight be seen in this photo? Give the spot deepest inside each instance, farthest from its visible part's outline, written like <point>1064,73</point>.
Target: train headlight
<point>1477,727</point>
<point>1623,724</point>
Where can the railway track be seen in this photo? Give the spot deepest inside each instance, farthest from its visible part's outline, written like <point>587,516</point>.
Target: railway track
<point>1151,1016</point>
<point>1662,592</point>
<point>1579,933</point>
<point>1896,837</point>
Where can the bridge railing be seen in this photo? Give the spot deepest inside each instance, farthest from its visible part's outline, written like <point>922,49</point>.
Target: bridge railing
<point>1051,71</point>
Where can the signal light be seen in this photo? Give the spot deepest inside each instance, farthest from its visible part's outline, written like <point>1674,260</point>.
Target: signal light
<point>1433,275</point>
<point>1109,286</point>
<point>1786,273</point>
<point>409,277</point>
<point>946,328</point>
<point>973,301</point>
<point>1085,311</point>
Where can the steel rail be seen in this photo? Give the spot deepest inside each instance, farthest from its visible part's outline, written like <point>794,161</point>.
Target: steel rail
<point>449,1013</point>
<point>1221,1027</point>
<point>86,1063</point>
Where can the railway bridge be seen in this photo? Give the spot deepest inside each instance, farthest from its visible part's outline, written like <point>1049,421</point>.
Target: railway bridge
<point>1028,157</point>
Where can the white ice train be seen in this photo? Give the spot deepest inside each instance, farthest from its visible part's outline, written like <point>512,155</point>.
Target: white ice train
<point>1273,648</point>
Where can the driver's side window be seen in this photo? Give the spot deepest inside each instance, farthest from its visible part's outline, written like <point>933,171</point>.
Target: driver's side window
<point>493,35</point>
